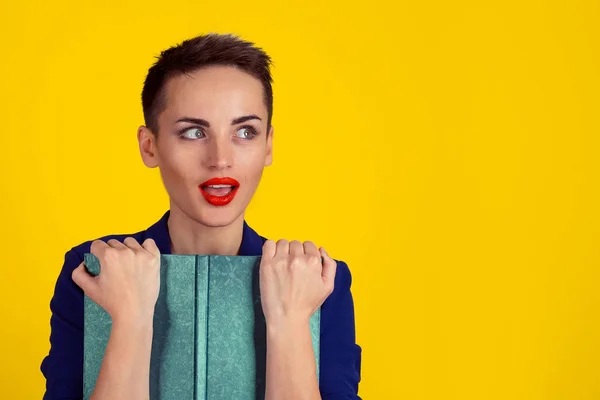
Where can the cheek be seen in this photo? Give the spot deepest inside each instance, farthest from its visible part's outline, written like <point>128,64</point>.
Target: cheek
<point>177,168</point>
<point>251,167</point>
<point>253,172</point>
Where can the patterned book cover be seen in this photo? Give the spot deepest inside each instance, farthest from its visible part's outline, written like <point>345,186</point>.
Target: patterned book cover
<point>209,338</point>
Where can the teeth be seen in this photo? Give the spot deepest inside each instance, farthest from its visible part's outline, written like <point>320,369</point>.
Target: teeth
<point>220,186</point>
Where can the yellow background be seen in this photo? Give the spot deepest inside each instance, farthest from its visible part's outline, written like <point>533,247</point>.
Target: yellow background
<point>448,151</point>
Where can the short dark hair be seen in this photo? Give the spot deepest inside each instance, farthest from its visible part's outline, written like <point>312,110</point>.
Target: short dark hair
<point>199,52</point>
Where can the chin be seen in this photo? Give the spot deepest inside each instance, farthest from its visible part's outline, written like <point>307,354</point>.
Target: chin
<point>201,212</point>
<point>215,217</point>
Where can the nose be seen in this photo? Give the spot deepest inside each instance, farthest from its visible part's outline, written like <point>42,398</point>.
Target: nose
<point>220,154</point>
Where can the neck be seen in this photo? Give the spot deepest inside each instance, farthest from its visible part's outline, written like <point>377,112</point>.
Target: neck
<point>191,237</point>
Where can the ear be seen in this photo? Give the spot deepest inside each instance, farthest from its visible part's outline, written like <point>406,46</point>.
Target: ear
<point>147,144</point>
<point>269,155</point>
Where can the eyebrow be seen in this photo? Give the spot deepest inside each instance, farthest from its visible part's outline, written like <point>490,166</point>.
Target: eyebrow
<point>203,122</point>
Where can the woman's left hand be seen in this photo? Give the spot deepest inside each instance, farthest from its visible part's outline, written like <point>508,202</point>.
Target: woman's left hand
<point>293,281</point>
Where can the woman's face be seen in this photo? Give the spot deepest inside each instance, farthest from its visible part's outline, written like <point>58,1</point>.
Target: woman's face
<point>214,126</point>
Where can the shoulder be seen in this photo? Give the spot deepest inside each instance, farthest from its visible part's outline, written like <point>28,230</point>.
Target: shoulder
<point>340,359</point>
<point>157,231</point>
<point>341,297</point>
<point>343,276</point>
<point>84,247</point>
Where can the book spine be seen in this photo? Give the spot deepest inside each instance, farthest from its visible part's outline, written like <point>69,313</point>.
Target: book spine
<point>201,328</point>
<point>315,330</point>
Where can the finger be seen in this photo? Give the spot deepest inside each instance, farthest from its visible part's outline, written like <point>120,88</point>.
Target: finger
<point>296,248</point>
<point>98,247</point>
<point>282,248</point>
<point>114,243</point>
<point>310,248</point>
<point>150,246</point>
<point>132,243</point>
<point>329,268</point>
<point>84,280</point>
<point>268,250</point>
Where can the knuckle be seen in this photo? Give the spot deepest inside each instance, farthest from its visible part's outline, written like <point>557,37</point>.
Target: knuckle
<point>296,262</point>
<point>110,253</point>
<point>151,259</point>
<point>265,268</point>
<point>96,245</point>
<point>314,260</point>
<point>146,243</point>
<point>280,263</point>
<point>146,258</point>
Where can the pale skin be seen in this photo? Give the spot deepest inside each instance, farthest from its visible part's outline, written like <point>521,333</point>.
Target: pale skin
<point>293,281</point>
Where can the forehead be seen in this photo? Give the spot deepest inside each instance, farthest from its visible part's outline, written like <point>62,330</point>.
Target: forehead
<point>213,92</point>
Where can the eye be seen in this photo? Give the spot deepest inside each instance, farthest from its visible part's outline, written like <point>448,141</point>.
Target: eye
<point>192,133</point>
<point>246,132</point>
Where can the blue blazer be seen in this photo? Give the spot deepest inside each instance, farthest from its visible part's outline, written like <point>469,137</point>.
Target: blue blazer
<point>63,367</point>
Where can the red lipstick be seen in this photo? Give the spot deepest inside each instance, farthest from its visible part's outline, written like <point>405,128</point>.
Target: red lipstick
<point>219,191</point>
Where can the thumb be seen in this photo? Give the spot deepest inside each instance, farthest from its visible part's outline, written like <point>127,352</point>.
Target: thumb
<point>329,268</point>
<point>84,280</point>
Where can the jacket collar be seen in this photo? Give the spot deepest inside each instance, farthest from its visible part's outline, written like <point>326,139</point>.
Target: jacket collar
<point>251,245</point>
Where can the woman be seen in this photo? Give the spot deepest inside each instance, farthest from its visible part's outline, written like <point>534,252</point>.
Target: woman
<point>207,107</point>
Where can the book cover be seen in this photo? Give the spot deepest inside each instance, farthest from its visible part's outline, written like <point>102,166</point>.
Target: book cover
<point>209,339</point>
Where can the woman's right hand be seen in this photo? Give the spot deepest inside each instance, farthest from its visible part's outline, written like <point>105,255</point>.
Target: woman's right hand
<point>129,280</point>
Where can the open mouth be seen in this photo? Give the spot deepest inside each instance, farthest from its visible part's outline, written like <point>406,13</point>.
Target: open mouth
<point>219,191</point>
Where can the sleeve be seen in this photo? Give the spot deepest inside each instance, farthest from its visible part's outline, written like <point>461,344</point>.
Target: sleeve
<point>340,357</point>
<point>63,366</point>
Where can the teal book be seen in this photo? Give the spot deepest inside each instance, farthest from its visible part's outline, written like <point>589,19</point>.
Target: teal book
<point>209,338</point>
